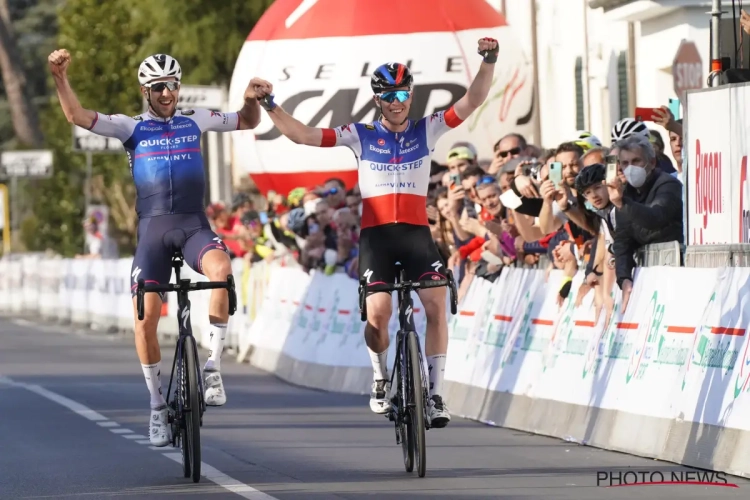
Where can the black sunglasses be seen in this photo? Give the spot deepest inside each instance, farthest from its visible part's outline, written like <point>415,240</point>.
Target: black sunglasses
<point>160,86</point>
<point>513,151</point>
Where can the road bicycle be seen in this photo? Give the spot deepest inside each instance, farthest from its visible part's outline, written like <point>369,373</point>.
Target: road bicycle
<point>410,403</point>
<point>187,405</point>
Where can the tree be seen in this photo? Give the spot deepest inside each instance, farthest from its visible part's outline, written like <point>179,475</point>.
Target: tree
<point>22,111</point>
<point>107,42</point>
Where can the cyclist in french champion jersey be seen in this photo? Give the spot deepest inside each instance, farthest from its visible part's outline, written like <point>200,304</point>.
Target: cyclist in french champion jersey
<point>163,147</point>
<point>393,154</point>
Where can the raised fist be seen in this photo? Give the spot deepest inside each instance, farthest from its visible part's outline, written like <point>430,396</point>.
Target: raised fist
<point>58,62</point>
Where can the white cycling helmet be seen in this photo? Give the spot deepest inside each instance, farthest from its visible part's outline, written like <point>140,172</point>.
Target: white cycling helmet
<point>627,127</point>
<point>158,66</point>
<point>587,140</point>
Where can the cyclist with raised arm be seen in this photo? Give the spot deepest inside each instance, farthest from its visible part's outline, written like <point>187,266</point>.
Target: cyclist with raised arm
<point>393,154</point>
<point>163,148</point>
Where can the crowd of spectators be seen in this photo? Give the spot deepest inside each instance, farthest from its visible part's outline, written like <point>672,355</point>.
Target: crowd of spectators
<point>525,207</point>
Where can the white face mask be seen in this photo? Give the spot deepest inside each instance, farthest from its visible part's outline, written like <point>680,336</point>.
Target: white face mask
<point>636,176</point>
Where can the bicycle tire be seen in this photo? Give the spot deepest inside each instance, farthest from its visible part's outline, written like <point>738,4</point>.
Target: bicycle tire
<point>181,403</point>
<point>401,427</point>
<point>417,411</point>
<point>191,411</point>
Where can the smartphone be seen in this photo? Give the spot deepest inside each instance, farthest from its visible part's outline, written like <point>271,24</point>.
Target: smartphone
<point>645,114</point>
<point>471,210</point>
<point>611,168</point>
<point>674,107</point>
<point>555,173</point>
<point>455,180</point>
<point>263,218</point>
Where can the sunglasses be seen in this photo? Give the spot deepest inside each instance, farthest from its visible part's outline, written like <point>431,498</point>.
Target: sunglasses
<point>329,192</point>
<point>487,179</point>
<point>401,95</point>
<point>513,151</point>
<point>160,86</point>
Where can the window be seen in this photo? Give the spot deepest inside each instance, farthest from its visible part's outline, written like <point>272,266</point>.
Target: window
<point>622,84</point>
<point>580,122</point>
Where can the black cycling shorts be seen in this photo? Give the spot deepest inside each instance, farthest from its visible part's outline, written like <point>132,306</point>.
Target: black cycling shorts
<point>158,239</point>
<point>381,247</point>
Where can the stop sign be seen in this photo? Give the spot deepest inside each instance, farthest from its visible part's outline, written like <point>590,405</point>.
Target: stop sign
<point>687,69</point>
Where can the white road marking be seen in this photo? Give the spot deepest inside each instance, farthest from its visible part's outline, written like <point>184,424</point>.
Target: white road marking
<point>225,481</point>
<point>74,406</point>
<point>135,436</point>
<point>212,474</point>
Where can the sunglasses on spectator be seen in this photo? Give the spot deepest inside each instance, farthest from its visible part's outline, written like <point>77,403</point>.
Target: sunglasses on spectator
<point>401,95</point>
<point>160,86</point>
<point>487,179</point>
<point>329,192</point>
<point>514,151</point>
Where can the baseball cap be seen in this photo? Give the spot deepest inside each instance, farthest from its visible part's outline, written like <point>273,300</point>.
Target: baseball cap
<point>461,153</point>
<point>466,145</point>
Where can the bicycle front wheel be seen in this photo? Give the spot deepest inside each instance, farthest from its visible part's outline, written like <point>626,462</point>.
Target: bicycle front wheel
<point>417,410</point>
<point>191,445</point>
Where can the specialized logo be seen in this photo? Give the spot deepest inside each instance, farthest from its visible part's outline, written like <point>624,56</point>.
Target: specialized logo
<point>436,265</point>
<point>409,313</point>
<point>185,316</point>
<point>367,275</point>
<point>136,273</point>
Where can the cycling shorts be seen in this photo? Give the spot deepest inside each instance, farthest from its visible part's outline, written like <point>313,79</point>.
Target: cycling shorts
<point>381,247</point>
<point>158,239</point>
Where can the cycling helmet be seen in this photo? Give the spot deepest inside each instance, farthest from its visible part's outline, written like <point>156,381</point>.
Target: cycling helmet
<point>158,66</point>
<point>587,140</point>
<point>296,220</point>
<point>589,176</point>
<point>390,75</point>
<point>627,127</point>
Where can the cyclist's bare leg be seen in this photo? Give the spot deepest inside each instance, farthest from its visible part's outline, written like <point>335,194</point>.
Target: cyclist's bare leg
<point>216,266</point>
<point>379,309</point>
<point>147,347</point>
<point>436,347</point>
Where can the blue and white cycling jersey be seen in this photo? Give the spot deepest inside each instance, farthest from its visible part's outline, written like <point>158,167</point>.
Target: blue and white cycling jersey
<point>165,156</point>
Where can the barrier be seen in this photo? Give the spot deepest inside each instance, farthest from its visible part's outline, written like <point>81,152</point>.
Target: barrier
<point>669,379</point>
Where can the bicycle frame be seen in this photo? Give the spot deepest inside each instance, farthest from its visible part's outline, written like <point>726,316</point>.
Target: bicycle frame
<point>406,325</point>
<point>185,330</point>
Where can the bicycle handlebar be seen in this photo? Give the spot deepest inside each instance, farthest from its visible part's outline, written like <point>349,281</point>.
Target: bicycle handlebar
<point>189,287</point>
<point>408,285</point>
<point>185,286</point>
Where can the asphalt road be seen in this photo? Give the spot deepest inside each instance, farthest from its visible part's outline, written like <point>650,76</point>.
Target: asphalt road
<point>73,424</point>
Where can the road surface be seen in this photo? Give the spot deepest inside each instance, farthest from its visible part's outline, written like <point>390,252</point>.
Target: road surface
<point>73,424</point>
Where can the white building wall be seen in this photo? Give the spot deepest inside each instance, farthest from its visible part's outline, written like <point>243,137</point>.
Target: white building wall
<point>660,26</point>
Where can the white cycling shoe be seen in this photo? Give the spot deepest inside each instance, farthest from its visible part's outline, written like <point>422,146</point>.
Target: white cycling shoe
<point>213,387</point>
<point>379,397</point>
<point>438,412</point>
<point>158,429</point>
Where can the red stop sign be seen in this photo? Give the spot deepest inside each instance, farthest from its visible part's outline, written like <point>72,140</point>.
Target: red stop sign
<point>687,69</point>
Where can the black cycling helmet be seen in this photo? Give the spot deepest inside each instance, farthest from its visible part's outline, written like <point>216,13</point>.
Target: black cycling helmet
<point>589,176</point>
<point>389,76</point>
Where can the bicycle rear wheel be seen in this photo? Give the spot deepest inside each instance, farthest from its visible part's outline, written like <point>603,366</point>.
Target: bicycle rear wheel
<point>417,409</point>
<point>191,443</point>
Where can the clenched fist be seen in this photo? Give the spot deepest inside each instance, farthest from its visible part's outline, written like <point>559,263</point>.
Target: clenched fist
<point>58,62</point>
<point>488,48</point>
<point>258,89</point>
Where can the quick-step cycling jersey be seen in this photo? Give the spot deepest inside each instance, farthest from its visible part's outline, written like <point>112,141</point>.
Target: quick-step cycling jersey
<point>394,167</point>
<point>165,156</point>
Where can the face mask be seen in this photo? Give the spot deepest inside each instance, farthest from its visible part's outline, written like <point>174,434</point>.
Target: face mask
<point>589,206</point>
<point>636,176</point>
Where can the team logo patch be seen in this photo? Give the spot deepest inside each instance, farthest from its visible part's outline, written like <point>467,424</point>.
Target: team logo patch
<point>381,142</point>
<point>187,112</point>
<point>369,127</point>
